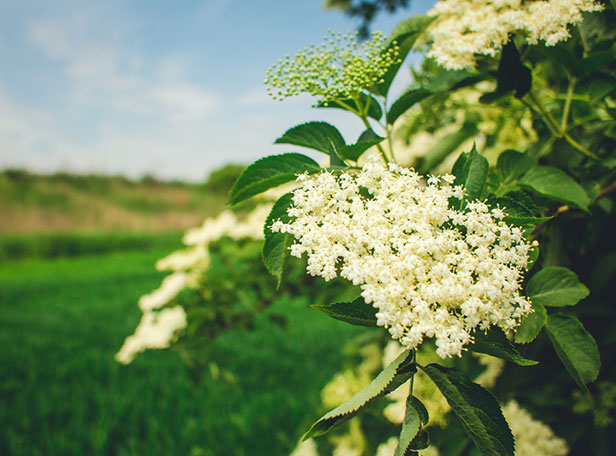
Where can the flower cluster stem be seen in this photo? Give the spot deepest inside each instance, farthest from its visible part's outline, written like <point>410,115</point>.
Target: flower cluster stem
<point>560,131</point>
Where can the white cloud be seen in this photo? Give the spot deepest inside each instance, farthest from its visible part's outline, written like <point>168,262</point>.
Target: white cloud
<point>184,102</point>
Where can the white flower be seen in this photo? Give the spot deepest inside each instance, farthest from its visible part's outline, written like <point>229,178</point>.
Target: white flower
<point>184,259</point>
<point>305,448</point>
<point>155,330</point>
<point>465,28</point>
<point>429,270</point>
<point>532,437</point>
<point>169,289</point>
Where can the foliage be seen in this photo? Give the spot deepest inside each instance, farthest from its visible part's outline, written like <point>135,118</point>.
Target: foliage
<point>52,245</point>
<point>222,179</point>
<point>527,130</point>
<point>366,10</point>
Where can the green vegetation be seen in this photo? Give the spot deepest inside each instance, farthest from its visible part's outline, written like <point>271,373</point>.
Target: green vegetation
<point>63,393</point>
<point>71,244</point>
<point>68,202</point>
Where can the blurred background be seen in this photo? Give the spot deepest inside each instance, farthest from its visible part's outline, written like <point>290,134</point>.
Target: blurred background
<point>123,123</point>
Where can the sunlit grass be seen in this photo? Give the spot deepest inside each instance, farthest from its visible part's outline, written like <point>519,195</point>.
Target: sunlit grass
<point>63,393</point>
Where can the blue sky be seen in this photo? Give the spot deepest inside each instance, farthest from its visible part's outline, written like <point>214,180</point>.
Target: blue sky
<point>169,88</point>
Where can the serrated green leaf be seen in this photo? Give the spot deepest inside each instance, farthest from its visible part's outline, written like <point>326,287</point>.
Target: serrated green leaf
<point>410,428</point>
<point>405,102</point>
<point>374,108</point>
<point>575,347</point>
<point>511,164</point>
<point>319,136</point>
<point>445,146</point>
<point>365,141</point>
<point>554,184</point>
<point>556,286</point>
<point>471,171</point>
<point>424,417</point>
<point>275,250</point>
<point>495,343</point>
<point>404,35</point>
<point>357,312</point>
<point>531,324</point>
<point>476,408</point>
<point>394,375</point>
<point>271,172</point>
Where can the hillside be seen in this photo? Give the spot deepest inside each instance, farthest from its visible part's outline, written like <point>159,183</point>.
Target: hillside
<point>35,203</point>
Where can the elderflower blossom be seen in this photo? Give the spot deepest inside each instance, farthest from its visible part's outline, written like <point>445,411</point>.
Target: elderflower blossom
<point>464,28</point>
<point>158,328</point>
<point>155,330</point>
<point>338,69</point>
<point>532,437</point>
<point>429,270</point>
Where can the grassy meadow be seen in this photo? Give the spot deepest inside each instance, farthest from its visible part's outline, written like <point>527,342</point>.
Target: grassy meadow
<point>67,301</point>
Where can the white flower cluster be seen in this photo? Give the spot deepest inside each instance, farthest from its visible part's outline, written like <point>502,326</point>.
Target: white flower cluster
<point>532,437</point>
<point>155,330</point>
<point>431,271</point>
<point>158,328</point>
<point>465,28</point>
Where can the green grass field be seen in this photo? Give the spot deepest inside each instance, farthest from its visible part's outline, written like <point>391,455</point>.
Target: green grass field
<point>62,392</point>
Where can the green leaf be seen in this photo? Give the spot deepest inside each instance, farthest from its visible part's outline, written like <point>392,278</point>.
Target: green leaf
<point>511,164</point>
<point>525,220</point>
<point>471,171</point>
<point>554,184</point>
<point>476,408</point>
<point>531,324</point>
<point>421,441</point>
<point>319,136</point>
<point>495,343</point>
<point>593,62</point>
<point>559,55</point>
<point>516,204</point>
<point>271,172</point>
<point>447,80</point>
<point>365,141</point>
<point>394,375</point>
<point>556,286</point>
<point>405,102</point>
<point>445,146</point>
<point>410,427</point>
<point>374,109</point>
<point>575,347</point>
<point>601,88</point>
<point>357,312</point>
<point>421,409</point>
<point>404,35</point>
<point>275,250</point>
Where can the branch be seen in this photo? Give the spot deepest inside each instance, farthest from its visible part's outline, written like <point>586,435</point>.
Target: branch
<point>565,208</point>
